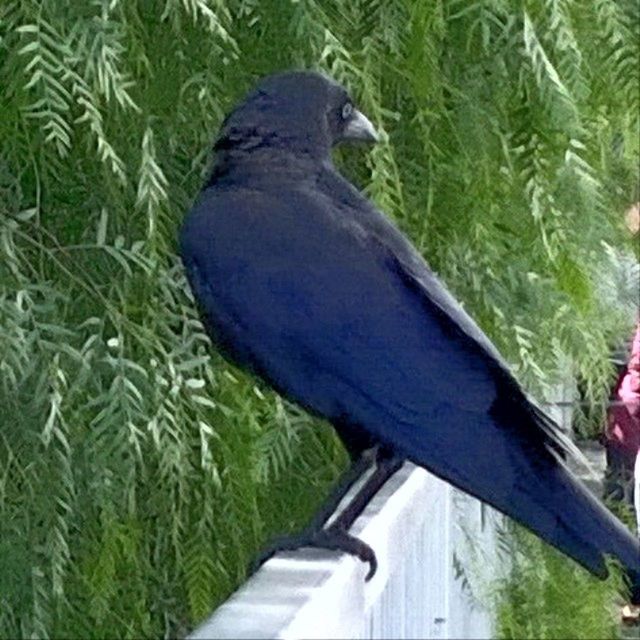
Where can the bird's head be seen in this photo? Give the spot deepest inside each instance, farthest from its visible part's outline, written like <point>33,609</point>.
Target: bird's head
<point>298,111</point>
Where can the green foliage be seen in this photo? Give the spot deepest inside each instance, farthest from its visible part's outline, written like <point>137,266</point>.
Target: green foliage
<point>545,597</point>
<point>139,473</point>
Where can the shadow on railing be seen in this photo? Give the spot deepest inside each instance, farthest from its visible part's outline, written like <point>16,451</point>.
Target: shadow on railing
<point>422,530</point>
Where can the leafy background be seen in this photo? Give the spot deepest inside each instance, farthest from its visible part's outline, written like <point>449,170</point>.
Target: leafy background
<point>140,473</point>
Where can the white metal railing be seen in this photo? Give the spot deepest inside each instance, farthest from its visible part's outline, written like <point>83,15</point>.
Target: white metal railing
<point>422,531</point>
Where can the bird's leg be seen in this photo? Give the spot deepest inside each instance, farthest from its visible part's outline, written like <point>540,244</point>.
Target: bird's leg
<point>386,466</point>
<point>336,536</point>
<point>348,479</point>
<point>306,538</point>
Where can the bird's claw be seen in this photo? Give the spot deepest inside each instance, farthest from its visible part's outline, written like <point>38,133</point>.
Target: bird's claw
<point>340,540</point>
<point>332,538</point>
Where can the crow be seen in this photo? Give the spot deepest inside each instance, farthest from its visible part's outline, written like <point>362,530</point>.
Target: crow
<point>302,281</point>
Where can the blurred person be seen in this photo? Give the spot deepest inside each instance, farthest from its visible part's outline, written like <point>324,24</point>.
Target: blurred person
<point>622,434</point>
<point>623,425</point>
<point>629,397</point>
<point>622,430</point>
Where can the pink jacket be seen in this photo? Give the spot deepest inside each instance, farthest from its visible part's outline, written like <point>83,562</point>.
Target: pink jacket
<point>623,420</point>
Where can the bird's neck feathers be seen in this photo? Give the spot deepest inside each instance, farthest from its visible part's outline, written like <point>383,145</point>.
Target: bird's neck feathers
<point>251,152</point>
<point>246,143</point>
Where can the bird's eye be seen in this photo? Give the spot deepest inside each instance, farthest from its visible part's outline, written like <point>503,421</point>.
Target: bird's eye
<point>347,110</point>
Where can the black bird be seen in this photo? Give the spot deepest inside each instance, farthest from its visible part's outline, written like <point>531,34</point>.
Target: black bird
<point>301,280</point>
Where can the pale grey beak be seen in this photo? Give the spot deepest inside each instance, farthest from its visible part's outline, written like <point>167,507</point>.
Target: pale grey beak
<point>360,128</point>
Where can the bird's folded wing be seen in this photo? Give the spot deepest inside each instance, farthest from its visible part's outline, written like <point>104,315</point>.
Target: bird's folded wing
<point>337,319</point>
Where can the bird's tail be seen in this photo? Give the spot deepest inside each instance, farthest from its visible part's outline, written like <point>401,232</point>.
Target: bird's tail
<point>541,493</point>
<point>579,525</point>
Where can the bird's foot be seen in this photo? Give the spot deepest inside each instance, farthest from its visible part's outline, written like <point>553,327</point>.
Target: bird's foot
<point>338,539</point>
<point>332,538</point>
